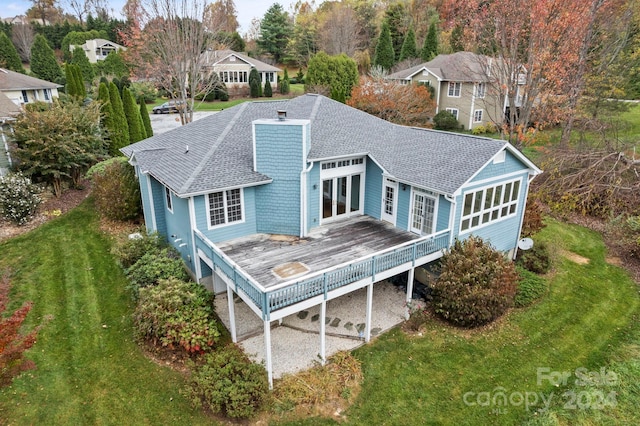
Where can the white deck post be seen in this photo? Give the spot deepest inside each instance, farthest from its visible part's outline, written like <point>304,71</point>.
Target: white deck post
<point>367,329</point>
<point>409,291</point>
<point>267,351</point>
<point>232,314</point>
<point>323,329</point>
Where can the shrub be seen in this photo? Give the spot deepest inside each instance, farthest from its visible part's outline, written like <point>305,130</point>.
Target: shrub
<point>536,259</point>
<point>116,189</point>
<point>476,285</point>
<point>532,222</point>
<point>176,313</point>
<point>221,92</point>
<point>284,83</point>
<point>152,267</point>
<point>19,198</point>
<point>530,288</point>
<point>268,91</point>
<point>479,130</point>
<point>418,315</point>
<point>128,251</point>
<point>229,383</point>
<point>444,120</point>
<point>145,90</point>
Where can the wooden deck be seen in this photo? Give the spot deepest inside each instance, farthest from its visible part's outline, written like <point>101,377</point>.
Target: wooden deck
<point>329,245</point>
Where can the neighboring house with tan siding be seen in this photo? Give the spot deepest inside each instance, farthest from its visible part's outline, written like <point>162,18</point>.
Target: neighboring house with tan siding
<point>233,69</point>
<point>98,49</point>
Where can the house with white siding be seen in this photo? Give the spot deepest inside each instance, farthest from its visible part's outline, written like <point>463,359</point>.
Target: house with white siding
<point>289,204</point>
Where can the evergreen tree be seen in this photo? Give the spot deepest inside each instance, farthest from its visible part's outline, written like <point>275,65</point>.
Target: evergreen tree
<point>81,89</point>
<point>80,59</point>
<point>106,113</point>
<point>71,87</point>
<point>132,113</point>
<point>284,84</point>
<point>430,47</point>
<point>43,60</point>
<point>146,121</point>
<point>384,56</point>
<point>457,45</point>
<point>409,49</point>
<point>268,91</point>
<point>254,83</point>
<point>9,58</point>
<point>337,73</point>
<point>120,136</point>
<point>275,30</point>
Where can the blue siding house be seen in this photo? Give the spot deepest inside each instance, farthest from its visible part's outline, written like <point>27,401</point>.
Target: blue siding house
<point>288,204</point>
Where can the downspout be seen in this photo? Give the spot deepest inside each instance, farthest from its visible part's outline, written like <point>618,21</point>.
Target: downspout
<point>152,207</point>
<point>303,200</point>
<point>524,208</point>
<point>452,216</point>
<point>194,254</point>
<point>473,105</point>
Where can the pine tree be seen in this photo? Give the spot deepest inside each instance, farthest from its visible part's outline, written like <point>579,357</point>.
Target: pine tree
<point>71,87</point>
<point>146,121</point>
<point>132,113</point>
<point>254,83</point>
<point>79,82</point>
<point>120,136</point>
<point>9,58</point>
<point>409,49</point>
<point>284,84</point>
<point>106,116</point>
<point>430,47</point>
<point>43,60</point>
<point>79,58</point>
<point>384,55</point>
<point>268,92</point>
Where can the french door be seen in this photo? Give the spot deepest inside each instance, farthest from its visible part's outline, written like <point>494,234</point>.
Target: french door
<point>389,200</point>
<point>341,196</point>
<point>423,213</point>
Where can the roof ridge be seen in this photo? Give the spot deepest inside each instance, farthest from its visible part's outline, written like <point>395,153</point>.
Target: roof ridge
<point>220,138</point>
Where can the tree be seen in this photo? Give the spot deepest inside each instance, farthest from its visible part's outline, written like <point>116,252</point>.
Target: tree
<point>165,41</point>
<point>80,59</point>
<point>221,16</point>
<point>284,83</point>
<point>409,49</point>
<point>79,81</point>
<point>146,121</point>
<point>268,91</point>
<point>336,74</point>
<point>9,57</point>
<point>275,29</point>
<point>397,19</point>
<point>43,60</point>
<point>132,113</point>
<point>80,8</point>
<point>113,65</point>
<point>457,38</point>
<point>44,9</point>
<point>409,105</point>
<point>254,83</point>
<point>430,46</point>
<point>303,42</point>
<point>339,29</point>
<point>106,115</point>
<point>384,56</point>
<point>71,86</point>
<point>22,37</point>
<point>59,143</point>
<point>120,135</point>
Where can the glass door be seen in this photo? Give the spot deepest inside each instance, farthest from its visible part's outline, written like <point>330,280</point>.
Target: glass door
<point>340,196</point>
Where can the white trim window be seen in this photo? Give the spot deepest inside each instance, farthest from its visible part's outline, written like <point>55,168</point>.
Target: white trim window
<point>168,197</point>
<point>225,207</point>
<point>423,212</point>
<point>490,204</point>
<point>455,88</point>
<point>477,116</point>
<point>453,111</point>
<point>481,90</point>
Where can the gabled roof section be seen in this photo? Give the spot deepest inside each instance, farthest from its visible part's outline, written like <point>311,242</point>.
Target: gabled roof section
<point>11,80</point>
<point>220,147</point>
<point>214,57</point>
<point>459,66</point>
<point>408,73</point>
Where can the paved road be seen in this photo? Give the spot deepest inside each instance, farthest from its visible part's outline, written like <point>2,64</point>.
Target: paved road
<point>161,123</point>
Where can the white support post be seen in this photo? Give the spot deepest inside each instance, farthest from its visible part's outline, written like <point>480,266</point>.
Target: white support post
<point>267,351</point>
<point>232,312</point>
<point>409,291</point>
<point>323,329</point>
<point>367,329</point>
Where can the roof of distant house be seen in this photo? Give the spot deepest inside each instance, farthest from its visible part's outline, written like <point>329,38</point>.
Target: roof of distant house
<point>212,57</point>
<point>459,66</point>
<point>7,108</point>
<point>220,147</point>
<point>11,80</point>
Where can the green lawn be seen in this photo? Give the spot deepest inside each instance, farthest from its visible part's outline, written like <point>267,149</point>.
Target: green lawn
<point>91,374</point>
<point>90,371</point>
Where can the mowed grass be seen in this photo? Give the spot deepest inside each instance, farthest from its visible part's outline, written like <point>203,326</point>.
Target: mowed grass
<point>89,369</point>
<point>589,313</point>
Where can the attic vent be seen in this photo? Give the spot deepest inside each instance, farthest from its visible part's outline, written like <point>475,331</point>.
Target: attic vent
<point>232,59</point>
<point>282,115</point>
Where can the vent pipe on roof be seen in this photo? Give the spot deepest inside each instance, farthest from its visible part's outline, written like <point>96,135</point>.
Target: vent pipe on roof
<point>282,115</point>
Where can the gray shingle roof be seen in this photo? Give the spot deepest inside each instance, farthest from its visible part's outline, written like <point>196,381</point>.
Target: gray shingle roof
<point>11,80</point>
<point>459,66</point>
<point>212,57</point>
<point>220,149</point>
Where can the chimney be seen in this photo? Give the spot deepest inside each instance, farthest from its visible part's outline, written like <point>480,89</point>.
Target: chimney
<point>282,115</point>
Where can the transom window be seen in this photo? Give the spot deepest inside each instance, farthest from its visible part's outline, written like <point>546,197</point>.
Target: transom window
<point>454,89</point>
<point>481,89</point>
<point>342,163</point>
<point>225,207</point>
<point>453,111</point>
<point>477,116</point>
<point>489,205</point>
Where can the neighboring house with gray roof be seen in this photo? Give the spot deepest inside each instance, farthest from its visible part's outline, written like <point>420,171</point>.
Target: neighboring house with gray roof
<point>464,84</point>
<point>303,168</point>
<point>8,111</point>
<point>233,69</point>
<point>98,49</point>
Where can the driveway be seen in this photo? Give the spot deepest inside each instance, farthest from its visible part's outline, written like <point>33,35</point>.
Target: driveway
<point>161,123</point>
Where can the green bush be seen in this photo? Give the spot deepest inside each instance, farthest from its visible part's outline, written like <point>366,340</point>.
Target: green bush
<point>268,91</point>
<point>229,383</point>
<point>479,130</point>
<point>444,120</point>
<point>476,285</point>
<point>176,313</point>
<point>130,250</point>
<point>19,198</point>
<point>536,259</point>
<point>144,90</point>
<point>152,267</point>
<point>530,288</point>
<point>116,189</point>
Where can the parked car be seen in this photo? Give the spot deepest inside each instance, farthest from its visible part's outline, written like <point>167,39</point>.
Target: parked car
<point>168,107</point>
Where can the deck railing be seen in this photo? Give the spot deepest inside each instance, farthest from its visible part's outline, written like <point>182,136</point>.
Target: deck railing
<point>321,282</point>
